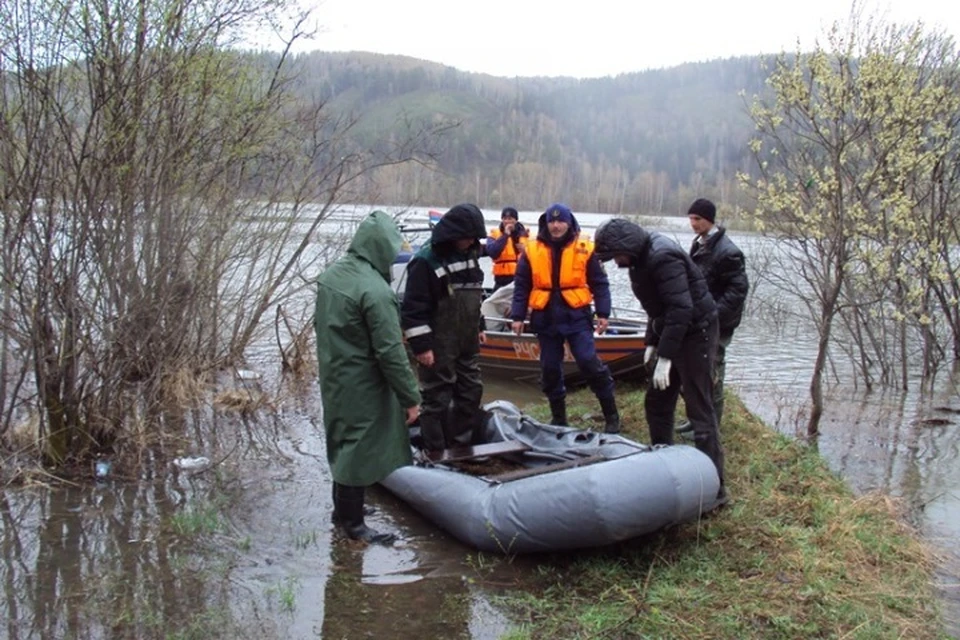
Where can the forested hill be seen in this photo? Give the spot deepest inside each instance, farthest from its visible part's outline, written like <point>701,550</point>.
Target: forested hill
<point>645,142</point>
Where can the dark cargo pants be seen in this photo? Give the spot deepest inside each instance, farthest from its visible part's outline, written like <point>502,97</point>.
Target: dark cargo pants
<point>692,370</point>
<point>452,389</point>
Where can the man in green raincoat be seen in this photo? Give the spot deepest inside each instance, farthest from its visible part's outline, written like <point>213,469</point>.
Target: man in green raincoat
<point>368,388</point>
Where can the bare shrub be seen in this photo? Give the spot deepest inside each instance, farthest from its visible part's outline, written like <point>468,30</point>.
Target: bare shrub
<point>160,193</point>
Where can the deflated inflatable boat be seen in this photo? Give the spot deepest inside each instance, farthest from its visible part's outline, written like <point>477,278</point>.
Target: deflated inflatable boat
<point>564,488</point>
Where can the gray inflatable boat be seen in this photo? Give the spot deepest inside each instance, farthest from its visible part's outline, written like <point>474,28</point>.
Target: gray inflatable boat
<point>564,488</point>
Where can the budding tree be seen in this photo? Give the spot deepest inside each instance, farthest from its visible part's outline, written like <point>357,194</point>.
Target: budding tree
<point>857,153</point>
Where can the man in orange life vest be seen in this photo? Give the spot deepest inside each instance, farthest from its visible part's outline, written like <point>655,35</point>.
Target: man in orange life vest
<point>558,277</point>
<point>504,246</point>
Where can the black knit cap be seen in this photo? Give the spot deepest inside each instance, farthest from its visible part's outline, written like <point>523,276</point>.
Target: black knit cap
<point>703,208</point>
<point>509,212</point>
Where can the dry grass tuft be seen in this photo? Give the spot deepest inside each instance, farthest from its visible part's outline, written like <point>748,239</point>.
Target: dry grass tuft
<point>185,388</point>
<point>243,401</point>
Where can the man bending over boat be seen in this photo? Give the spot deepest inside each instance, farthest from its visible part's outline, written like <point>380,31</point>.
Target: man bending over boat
<point>367,386</point>
<point>682,331</point>
<point>441,320</point>
<point>558,277</point>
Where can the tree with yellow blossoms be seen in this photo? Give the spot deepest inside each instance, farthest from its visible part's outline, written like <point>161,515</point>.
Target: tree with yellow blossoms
<point>859,161</point>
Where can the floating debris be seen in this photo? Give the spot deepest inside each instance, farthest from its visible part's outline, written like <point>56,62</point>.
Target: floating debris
<point>192,464</point>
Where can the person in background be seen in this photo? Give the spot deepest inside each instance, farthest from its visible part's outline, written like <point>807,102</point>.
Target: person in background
<point>558,277</point>
<point>682,332</point>
<point>440,315</point>
<point>723,265</point>
<point>505,245</point>
<point>369,391</point>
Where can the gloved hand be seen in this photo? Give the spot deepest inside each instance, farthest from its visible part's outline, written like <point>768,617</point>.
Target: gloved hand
<point>661,375</point>
<point>648,354</point>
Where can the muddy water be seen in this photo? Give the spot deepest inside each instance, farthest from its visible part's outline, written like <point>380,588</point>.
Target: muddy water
<point>245,547</point>
<point>241,549</point>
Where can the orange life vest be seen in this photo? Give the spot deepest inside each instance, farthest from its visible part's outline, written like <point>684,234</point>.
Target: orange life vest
<point>505,264</point>
<point>573,273</point>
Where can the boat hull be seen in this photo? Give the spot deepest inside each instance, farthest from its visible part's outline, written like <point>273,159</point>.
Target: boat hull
<point>509,355</point>
<point>621,490</point>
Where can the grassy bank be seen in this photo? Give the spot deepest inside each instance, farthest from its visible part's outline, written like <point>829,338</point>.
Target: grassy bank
<point>795,555</point>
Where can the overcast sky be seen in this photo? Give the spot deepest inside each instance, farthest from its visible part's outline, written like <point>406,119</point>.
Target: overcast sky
<point>597,37</point>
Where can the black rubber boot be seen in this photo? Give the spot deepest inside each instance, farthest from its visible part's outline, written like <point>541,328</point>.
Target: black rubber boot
<point>348,507</point>
<point>610,415</point>
<point>431,431</point>
<point>558,412</point>
<point>722,497</point>
<point>335,516</point>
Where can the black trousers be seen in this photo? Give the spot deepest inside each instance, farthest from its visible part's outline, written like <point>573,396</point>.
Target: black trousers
<point>691,372</point>
<point>452,388</point>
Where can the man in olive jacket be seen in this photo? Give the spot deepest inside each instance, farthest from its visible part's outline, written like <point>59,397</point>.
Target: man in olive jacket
<point>682,331</point>
<point>724,268</point>
<point>368,388</point>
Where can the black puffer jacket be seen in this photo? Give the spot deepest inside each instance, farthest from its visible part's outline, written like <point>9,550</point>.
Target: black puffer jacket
<point>670,287</point>
<point>437,270</point>
<point>724,267</point>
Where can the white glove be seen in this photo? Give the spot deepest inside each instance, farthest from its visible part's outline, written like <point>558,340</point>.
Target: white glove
<point>648,353</point>
<point>661,375</point>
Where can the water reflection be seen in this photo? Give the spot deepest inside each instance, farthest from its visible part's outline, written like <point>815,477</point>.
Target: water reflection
<point>362,605</point>
<point>97,563</point>
<point>244,549</point>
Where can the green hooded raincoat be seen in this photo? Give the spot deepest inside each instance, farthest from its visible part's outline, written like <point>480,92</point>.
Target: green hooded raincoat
<point>365,376</point>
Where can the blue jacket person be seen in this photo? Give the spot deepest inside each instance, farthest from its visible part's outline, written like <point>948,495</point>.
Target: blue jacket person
<point>558,279</point>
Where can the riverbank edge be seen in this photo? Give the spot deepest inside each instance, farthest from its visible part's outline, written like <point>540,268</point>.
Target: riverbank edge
<point>795,554</point>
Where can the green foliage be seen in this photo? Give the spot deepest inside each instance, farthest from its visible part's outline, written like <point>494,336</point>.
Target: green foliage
<point>197,520</point>
<point>285,593</point>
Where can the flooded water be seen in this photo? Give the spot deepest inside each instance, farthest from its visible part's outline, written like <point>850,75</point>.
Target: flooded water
<point>245,547</point>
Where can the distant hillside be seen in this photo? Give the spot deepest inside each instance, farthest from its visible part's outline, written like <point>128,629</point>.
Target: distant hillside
<point>646,142</point>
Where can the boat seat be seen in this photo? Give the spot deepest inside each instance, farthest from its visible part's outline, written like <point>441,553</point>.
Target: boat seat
<point>458,454</point>
<point>550,468</point>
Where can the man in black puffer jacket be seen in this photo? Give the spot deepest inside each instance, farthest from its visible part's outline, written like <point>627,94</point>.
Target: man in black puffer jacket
<point>682,331</point>
<point>440,316</point>
<point>724,268</point>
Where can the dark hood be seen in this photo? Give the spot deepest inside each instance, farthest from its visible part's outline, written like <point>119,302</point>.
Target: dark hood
<point>462,221</point>
<point>620,236</point>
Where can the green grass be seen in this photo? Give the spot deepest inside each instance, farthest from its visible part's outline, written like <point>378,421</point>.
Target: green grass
<point>285,593</point>
<point>795,555</point>
<point>196,520</point>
